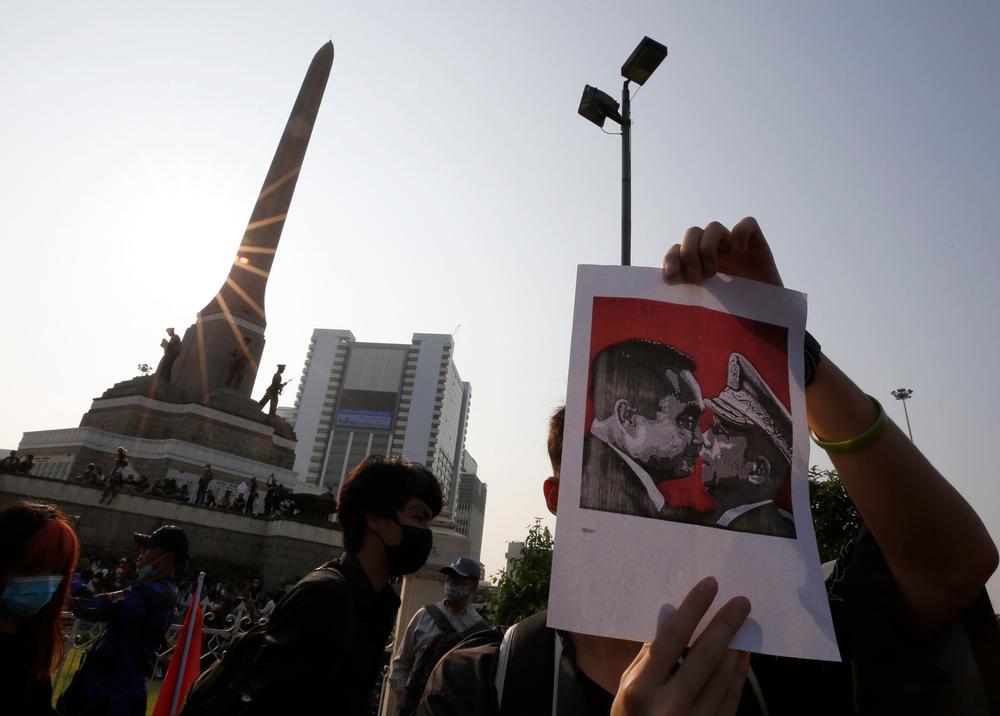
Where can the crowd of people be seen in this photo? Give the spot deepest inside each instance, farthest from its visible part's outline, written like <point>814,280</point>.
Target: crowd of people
<point>275,500</point>
<point>227,599</point>
<point>229,595</point>
<point>913,579</point>
<point>15,465</point>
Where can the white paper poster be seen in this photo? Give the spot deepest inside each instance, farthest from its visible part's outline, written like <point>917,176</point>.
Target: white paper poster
<point>686,455</point>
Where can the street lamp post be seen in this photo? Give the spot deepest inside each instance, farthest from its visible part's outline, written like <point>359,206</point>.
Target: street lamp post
<point>904,394</point>
<point>597,106</point>
<point>626,176</point>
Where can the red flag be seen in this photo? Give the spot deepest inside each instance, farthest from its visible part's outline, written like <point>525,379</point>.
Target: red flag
<point>186,660</point>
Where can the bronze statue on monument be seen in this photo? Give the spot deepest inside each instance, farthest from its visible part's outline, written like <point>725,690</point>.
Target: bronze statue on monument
<point>273,391</point>
<point>239,359</point>
<point>171,349</point>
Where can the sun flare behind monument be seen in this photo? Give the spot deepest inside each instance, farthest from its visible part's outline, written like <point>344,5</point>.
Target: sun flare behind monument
<point>196,409</point>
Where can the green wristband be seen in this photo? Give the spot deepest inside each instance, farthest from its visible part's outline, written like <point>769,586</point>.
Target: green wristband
<point>868,437</point>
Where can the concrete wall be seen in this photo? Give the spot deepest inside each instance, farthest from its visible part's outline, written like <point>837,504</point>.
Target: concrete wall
<point>190,423</point>
<point>154,458</point>
<point>277,550</point>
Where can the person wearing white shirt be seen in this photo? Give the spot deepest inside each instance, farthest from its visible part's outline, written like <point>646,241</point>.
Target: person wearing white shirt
<point>461,582</point>
<point>265,613</point>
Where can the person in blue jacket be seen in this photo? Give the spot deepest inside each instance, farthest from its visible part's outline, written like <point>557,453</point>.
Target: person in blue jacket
<point>112,680</point>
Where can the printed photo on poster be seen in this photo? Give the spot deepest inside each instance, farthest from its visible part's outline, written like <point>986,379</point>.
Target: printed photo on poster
<point>686,454</point>
<point>688,417</point>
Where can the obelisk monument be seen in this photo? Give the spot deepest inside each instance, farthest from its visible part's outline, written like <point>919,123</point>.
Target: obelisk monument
<point>222,348</point>
<point>197,409</point>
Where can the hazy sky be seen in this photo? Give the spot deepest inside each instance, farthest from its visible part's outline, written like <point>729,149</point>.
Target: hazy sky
<point>450,181</point>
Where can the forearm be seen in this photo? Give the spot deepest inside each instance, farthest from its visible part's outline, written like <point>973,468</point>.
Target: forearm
<point>935,544</point>
<point>94,609</point>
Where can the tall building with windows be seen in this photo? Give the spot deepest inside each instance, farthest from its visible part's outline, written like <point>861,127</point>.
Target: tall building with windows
<point>470,505</point>
<point>356,399</point>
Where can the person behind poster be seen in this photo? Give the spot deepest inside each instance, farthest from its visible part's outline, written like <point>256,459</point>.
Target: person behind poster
<point>747,454</point>
<point>647,404</point>
<point>915,573</point>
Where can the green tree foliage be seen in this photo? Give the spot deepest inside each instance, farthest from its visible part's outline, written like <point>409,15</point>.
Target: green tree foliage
<point>523,589</point>
<point>835,517</point>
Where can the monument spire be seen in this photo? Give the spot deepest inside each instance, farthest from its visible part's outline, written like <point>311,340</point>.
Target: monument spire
<point>223,347</point>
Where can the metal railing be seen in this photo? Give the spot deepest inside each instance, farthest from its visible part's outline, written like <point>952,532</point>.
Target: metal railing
<point>82,635</point>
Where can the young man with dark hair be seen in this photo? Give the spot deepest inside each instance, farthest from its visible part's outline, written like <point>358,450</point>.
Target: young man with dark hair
<point>326,639</point>
<point>898,595</point>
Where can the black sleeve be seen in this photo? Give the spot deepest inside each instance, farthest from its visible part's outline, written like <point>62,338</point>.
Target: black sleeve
<point>302,659</point>
<point>887,668</point>
<point>894,669</point>
<point>868,608</point>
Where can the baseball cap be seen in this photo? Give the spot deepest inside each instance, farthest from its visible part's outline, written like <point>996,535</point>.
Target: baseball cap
<point>169,537</point>
<point>466,567</point>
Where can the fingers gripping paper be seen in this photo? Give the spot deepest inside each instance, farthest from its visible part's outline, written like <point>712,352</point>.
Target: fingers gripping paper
<point>685,455</point>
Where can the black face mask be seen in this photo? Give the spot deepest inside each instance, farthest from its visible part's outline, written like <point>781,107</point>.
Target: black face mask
<point>412,551</point>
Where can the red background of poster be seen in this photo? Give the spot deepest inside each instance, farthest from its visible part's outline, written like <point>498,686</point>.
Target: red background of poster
<point>709,337</point>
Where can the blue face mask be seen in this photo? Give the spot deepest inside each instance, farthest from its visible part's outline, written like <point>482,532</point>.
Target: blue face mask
<point>146,571</point>
<point>456,591</point>
<point>26,596</point>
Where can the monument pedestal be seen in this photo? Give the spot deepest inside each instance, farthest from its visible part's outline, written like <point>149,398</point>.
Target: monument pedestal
<point>167,435</point>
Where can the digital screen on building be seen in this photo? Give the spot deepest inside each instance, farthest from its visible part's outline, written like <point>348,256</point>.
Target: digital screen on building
<point>366,409</point>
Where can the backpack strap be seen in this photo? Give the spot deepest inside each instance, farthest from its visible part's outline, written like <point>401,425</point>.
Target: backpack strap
<point>442,621</point>
<point>557,654</point>
<point>334,566</point>
<point>526,668</point>
<point>757,692</point>
<point>502,657</point>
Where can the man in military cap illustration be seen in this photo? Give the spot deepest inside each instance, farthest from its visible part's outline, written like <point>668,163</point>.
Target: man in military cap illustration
<point>747,454</point>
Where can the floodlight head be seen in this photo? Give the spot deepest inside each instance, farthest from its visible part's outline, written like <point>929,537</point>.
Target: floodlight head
<point>598,106</point>
<point>643,61</point>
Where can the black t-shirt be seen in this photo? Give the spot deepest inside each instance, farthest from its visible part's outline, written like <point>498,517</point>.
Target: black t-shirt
<point>886,669</point>
<point>20,692</point>
<point>598,700</point>
<point>325,644</point>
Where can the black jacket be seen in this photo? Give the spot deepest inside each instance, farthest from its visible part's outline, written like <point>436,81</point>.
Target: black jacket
<point>886,670</point>
<point>20,691</point>
<point>325,644</point>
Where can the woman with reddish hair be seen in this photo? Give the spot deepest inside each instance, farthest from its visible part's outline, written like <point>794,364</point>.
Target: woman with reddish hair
<point>38,550</point>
